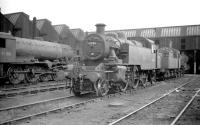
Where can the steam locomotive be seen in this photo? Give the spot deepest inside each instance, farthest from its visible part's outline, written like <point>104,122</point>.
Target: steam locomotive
<point>111,62</point>
<point>28,60</point>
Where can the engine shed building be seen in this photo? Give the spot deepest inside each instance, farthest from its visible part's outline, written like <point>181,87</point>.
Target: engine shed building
<point>184,38</point>
<point>65,35</point>
<point>5,24</point>
<point>78,33</point>
<point>47,31</point>
<point>22,24</point>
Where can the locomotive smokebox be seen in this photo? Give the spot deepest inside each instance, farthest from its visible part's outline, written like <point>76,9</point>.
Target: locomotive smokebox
<point>100,28</point>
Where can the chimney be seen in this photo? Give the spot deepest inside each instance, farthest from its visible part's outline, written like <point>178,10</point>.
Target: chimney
<point>100,28</point>
<point>34,28</point>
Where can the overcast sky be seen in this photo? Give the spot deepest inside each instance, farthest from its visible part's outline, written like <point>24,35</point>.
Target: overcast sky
<point>116,14</point>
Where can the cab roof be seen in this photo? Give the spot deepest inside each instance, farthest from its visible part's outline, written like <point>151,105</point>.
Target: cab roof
<point>6,35</point>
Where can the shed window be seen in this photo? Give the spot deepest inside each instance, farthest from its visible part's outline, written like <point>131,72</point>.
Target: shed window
<point>157,42</point>
<point>2,43</point>
<point>129,38</point>
<point>182,44</point>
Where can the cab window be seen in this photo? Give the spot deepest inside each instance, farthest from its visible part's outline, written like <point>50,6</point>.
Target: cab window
<point>2,43</point>
<point>175,55</point>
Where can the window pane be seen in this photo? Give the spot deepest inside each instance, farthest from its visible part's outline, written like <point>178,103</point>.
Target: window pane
<point>2,43</point>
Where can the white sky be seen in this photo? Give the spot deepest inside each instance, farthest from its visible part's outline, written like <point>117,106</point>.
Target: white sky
<point>116,14</point>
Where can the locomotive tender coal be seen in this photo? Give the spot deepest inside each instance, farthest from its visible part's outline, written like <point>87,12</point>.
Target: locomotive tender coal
<point>113,62</point>
<point>28,59</point>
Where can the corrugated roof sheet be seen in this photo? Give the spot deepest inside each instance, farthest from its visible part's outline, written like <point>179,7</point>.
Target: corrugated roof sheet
<point>171,31</point>
<point>130,33</point>
<point>13,17</point>
<point>193,30</point>
<point>148,33</point>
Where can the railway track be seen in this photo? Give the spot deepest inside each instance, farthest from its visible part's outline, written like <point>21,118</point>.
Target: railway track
<point>26,87</point>
<point>26,112</point>
<point>35,88</point>
<point>54,105</point>
<point>11,115</point>
<point>8,87</point>
<point>32,89</point>
<point>135,116</point>
<point>188,111</point>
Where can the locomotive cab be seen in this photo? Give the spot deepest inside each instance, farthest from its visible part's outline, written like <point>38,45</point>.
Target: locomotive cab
<point>170,62</point>
<point>7,47</point>
<point>7,51</point>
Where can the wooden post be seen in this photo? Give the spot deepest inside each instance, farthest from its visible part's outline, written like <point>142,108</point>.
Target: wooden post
<point>156,58</point>
<point>195,55</point>
<point>195,64</point>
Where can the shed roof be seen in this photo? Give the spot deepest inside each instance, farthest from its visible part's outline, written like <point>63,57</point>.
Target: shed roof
<point>59,28</point>
<point>13,17</point>
<point>75,31</point>
<point>39,24</point>
<point>78,33</point>
<point>173,31</point>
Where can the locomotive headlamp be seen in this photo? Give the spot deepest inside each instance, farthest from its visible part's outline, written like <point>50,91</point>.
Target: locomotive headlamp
<point>80,75</point>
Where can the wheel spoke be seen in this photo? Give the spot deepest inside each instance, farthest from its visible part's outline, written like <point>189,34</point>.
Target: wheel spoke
<point>102,87</point>
<point>76,87</point>
<point>153,80</point>
<point>144,82</point>
<point>44,78</point>
<point>31,77</point>
<point>14,76</point>
<point>124,86</point>
<point>135,83</point>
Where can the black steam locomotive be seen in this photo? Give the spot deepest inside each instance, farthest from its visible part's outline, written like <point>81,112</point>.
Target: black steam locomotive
<point>30,60</point>
<point>110,61</point>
